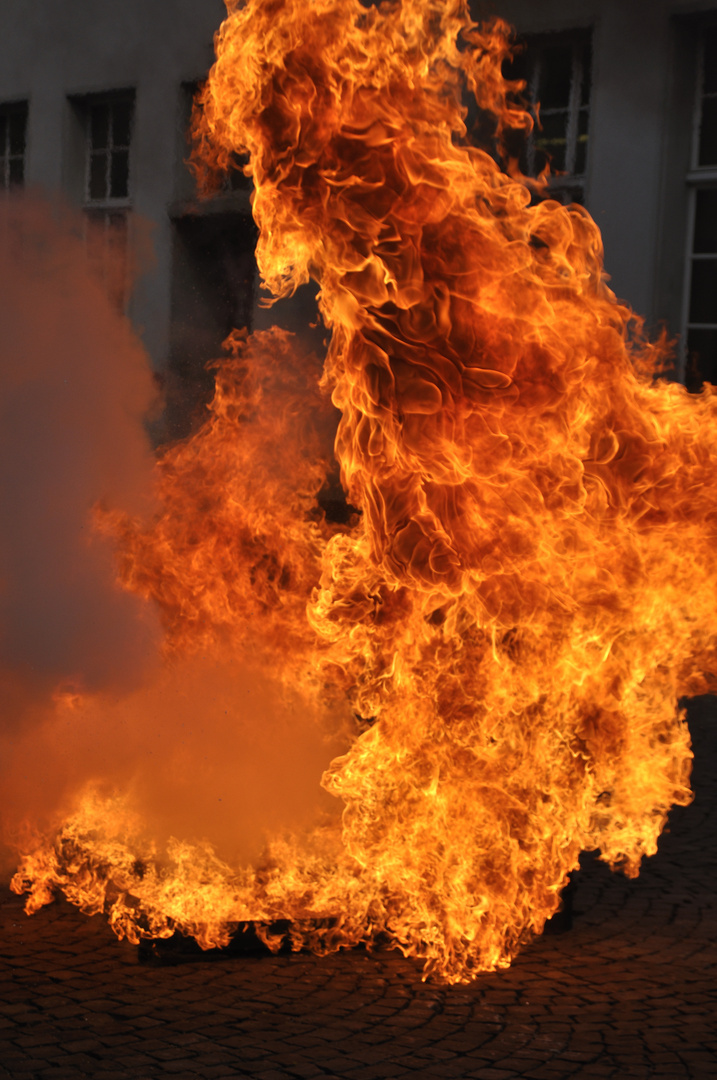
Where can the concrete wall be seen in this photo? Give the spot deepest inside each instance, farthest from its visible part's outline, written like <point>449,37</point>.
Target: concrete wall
<point>50,49</point>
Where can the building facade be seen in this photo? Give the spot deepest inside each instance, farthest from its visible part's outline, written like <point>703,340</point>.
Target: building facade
<point>95,101</point>
<point>637,138</point>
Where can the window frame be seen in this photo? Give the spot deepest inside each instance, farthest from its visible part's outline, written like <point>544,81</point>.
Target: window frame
<point>698,178</point>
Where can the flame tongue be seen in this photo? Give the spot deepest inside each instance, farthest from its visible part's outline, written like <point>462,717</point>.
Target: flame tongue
<point>531,583</point>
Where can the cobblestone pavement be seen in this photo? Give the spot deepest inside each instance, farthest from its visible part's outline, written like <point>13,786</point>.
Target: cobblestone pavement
<point>630,991</point>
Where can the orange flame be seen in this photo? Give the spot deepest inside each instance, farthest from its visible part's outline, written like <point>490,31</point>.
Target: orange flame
<point>530,583</point>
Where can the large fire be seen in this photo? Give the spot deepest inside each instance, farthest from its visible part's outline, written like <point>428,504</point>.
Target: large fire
<point>499,635</point>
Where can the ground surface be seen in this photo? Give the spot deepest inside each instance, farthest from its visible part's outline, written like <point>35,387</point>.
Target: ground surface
<point>630,991</point>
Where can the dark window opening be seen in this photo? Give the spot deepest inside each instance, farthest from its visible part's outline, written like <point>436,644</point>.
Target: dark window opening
<point>13,130</point>
<point>235,180</point>
<point>700,333</point>
<point>106,238</point>
<point>557,71</point>
<point>707,153</point>
<point>213,292</point>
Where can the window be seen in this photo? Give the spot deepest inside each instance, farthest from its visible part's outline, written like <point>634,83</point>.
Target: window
<point>107,122</point>
<point>13,125</point>
<point>214,278</point>
<point>110,124</point>
<point>235,181</point>
<point>700,302</point>
<point>557,72</point>
<point>106,240</point>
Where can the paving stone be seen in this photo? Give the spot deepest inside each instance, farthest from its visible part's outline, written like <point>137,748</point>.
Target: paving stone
<point>216,1072</point>
<point>187,1075</point>
<point>374,1072</point>
<point>491,1073</point>
<point>176,1069</point>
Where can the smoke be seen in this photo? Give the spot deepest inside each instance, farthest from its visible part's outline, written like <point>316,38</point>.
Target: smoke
<point>74,387</point>
<point>202,748</point>
<point>206,751</point>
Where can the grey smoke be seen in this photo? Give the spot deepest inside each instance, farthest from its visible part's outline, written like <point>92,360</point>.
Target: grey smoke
<point>74,386</point>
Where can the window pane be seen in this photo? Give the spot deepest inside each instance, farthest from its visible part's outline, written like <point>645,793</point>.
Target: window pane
<point>17,132</point>
<point>708,132</point>
<point>121,121</point>
<point>99,121</point>
<point>16,172</point>
<point>701,358</point>
<point>552,138</point>
<point>581,150</point>
<point>587,74</point>
<point>3,135</point>
<point>703,293</point>
<point>98,176</point>
<point>556,71</point>
<point>119,175</point>
<point>709,85</point>
<point>706,222</point>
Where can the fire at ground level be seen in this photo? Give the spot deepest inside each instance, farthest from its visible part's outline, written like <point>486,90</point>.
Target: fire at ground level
<point>630,992</point>
<point>515,607</point>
